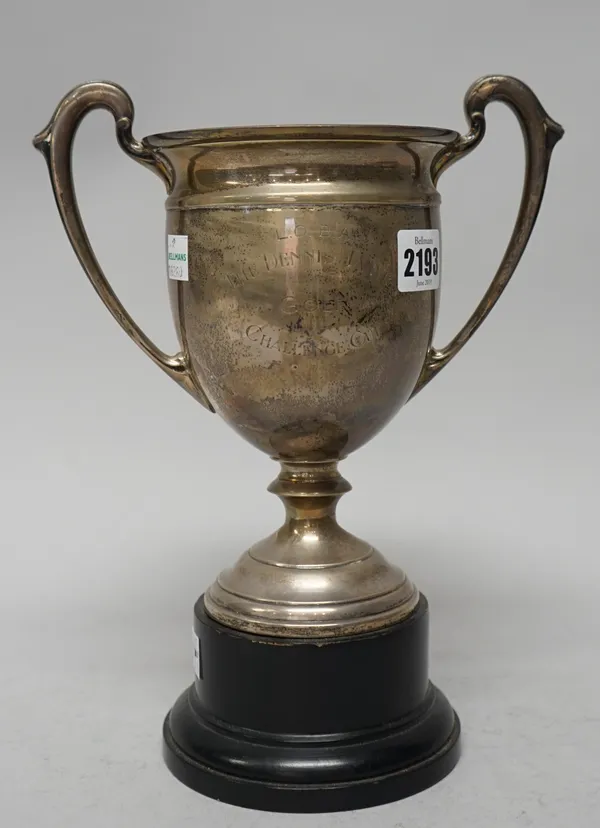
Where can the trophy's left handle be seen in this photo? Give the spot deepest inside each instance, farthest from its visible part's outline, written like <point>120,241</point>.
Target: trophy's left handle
<point>56,143</point>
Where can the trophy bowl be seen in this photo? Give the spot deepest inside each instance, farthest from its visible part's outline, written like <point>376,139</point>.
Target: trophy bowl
<point>304,273</point>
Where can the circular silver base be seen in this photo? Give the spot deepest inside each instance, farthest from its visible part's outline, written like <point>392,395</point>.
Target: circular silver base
<point>311,578</point>
<point>303,588</point>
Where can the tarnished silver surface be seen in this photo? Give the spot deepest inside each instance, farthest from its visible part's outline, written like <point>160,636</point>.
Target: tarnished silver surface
<point>292,326</point>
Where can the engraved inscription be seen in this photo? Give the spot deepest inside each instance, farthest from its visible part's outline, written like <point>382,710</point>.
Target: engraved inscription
<point>346,261</point>
<point>302,343</point>
<point>290,258</point>
<point>291,230</point>
<point>294,305</point>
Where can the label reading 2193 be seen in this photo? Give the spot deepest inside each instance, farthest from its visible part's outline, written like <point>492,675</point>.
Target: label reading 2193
<point>419,260</point>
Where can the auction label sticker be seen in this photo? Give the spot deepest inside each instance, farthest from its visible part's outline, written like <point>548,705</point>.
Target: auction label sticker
<point>419,260</point>
<point>177,258</point>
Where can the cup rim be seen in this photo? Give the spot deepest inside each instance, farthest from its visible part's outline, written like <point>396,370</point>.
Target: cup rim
<point>303,132</point>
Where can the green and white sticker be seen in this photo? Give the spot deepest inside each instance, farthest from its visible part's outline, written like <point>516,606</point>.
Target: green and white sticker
<point>419,260</point>
<point>177,258</point>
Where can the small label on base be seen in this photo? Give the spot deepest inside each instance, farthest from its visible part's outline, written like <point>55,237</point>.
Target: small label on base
<point>196,642</point>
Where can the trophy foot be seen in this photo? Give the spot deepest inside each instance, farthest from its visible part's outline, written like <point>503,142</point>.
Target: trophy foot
<point>311,578</point>
<point>311,726</point>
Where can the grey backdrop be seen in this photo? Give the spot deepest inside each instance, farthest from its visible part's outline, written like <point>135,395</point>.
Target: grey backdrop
<point>122,498</point>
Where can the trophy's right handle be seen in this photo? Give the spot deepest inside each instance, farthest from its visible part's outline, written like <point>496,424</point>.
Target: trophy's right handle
<point>541,134</point>
<point>56,142</point>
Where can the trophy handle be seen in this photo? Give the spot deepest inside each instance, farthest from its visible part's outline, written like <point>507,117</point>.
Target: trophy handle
<point>541,134</point>
<point>55,142</point>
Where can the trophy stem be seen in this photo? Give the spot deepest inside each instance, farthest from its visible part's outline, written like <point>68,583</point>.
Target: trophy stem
<point>309,491</point>
<point>310,578</point>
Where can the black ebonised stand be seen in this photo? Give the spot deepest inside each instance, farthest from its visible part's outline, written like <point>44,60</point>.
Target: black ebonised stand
<point>307,726</point>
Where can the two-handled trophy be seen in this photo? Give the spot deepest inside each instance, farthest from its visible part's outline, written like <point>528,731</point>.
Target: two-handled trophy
<point>304,272</point>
